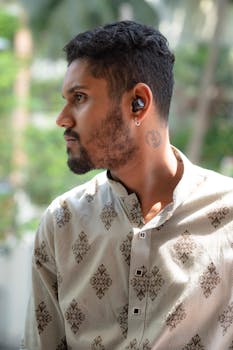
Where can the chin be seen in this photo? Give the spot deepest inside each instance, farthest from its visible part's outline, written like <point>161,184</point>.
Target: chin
<point>79,167</point>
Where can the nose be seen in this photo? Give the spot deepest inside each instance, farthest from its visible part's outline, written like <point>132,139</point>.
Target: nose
<point>65,118</point>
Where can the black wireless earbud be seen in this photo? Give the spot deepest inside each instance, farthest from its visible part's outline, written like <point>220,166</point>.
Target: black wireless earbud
<point>137,104</point>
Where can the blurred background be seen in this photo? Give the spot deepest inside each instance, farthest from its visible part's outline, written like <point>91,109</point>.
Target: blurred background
<point>32,152</point>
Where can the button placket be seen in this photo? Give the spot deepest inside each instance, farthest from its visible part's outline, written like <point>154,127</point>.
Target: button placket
<point>139,260</point>
<point>142,234</point>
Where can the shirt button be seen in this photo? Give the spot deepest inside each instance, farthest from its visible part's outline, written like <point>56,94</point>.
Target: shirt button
<point>138,272</point>
<point>136,311</point>
<point>142,234</point>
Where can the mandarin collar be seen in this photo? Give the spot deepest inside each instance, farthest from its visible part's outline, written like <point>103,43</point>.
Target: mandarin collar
<point>188,183</point>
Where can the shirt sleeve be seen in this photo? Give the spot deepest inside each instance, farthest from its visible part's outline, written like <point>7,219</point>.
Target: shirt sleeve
<point>44,325</point>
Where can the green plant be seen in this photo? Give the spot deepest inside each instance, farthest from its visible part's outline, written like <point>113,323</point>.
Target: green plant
<point>7,209</point>
<point>47,174</point>
<point>9,24</point>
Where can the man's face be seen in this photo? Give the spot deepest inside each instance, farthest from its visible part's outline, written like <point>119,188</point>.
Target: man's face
<point>96,130</point>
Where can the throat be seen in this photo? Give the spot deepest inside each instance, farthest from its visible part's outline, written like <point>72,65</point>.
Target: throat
<point>150,212</point>
<point>156,198</point>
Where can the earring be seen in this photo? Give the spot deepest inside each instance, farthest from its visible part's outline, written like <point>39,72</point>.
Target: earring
<point>137,123</point>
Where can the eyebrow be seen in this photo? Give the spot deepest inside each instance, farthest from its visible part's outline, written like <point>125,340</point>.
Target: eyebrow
<point>75,88</point>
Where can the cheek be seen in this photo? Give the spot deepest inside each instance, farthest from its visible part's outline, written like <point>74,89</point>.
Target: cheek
<point>94,121</point>
<point>108,130</point>
<point>89,113</point>
<point>88,128</point>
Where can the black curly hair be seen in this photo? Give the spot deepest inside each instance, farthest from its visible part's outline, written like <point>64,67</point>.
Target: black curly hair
<point>126,53</point>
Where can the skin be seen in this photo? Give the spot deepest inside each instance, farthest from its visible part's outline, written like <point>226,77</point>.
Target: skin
<point>101,133</point>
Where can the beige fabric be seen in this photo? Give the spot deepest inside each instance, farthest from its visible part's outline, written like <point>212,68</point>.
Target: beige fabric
<point>103,280</point>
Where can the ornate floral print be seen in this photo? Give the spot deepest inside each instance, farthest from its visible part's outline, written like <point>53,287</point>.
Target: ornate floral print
<point>133,345</point>
<point>62,215</point>
<point>107,215</point>
<point>97,344</point>
<point>101,281</point>
<point>55,288</point>
<point>41,255</point>
<point>217,216</point>
<point>135,213</point>
<point>209,280</point>
<point>125,247</point>
<point>226,318</point>
<point>43,317</point>
<point>194,344</point>
<point>176,317</point>
<point>122,319</point>
<point>81,247</point>
<point>150,282</point>
<point>74,316</point>
<point>146,345</point>
<point>184,247</point>
<point>89,197</point>
<point>62,345</point>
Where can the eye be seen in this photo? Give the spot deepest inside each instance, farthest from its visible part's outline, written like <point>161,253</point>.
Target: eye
<point>79,97</point>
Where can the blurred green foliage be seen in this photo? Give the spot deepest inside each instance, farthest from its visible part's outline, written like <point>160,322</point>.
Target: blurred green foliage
<point>190,62</point>
<point>8,211</point>
<point>46,97</point>
<point>8,68</point>
<point>189,66</point>
<point>47,172</point>
<point>9,24</point>
<point>55,22</point>
<point>218,143</point>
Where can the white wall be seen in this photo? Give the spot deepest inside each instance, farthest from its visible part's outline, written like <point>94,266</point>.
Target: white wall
<point>15,269</point>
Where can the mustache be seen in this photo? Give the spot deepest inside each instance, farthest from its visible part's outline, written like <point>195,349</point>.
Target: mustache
<point>71,133</point>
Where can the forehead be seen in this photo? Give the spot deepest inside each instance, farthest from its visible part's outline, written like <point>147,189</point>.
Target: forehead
<point>78,75</point>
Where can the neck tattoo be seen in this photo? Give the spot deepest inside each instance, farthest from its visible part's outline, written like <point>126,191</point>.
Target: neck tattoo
<point>153,138</point>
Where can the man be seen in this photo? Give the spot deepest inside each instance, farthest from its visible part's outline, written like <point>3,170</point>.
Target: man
<point>140,257</point>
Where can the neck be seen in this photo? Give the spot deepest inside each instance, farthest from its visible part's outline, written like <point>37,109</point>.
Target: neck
<point>153,177</point>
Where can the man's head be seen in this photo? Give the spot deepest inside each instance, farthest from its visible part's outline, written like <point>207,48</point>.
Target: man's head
<point>126,53</point>
<point>119,76</point>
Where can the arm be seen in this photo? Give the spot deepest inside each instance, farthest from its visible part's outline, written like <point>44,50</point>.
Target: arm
<point>44,327</point>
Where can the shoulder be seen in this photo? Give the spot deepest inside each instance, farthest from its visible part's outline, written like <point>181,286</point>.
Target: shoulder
<point>66,214</point>
<point>74,201</point>
<point>95,186</point>
<point>216,182</point>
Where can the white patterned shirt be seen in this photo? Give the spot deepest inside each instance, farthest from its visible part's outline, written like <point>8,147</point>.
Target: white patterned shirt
<point>102,279</point>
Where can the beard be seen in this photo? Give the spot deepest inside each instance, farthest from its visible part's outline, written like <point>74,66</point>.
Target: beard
<point>81,164</point>
<point>78,162</point>
<point>112,144</point>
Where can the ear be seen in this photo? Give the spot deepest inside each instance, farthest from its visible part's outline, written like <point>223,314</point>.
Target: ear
<point>141,101</point>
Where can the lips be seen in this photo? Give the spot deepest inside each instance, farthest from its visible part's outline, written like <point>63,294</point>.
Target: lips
<point>70,141</point>
<point>70,137</point>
